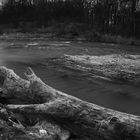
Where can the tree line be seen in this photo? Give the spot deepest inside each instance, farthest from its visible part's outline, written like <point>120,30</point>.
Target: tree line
<point>119,17</point>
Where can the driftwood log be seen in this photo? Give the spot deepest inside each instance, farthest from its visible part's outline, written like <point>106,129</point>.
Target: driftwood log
<point>77,119</point>
<point>116,67</point>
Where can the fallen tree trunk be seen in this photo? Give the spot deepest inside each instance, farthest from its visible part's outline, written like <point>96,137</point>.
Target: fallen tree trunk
<point>115,67</point>
<point>81,119</point>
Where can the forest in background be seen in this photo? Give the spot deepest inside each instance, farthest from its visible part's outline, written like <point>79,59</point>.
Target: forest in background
<point>115,17</point>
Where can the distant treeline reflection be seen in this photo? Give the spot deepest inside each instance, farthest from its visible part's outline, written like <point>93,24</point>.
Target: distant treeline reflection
<point>118,17</point>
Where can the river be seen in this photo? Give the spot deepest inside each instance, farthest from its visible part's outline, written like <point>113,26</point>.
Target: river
<point>19,54</point>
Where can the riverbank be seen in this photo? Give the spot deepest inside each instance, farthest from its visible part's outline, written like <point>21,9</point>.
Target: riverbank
<point>65,31</point>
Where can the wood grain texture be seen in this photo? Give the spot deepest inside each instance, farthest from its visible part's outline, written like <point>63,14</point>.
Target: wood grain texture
<point>81,119</point>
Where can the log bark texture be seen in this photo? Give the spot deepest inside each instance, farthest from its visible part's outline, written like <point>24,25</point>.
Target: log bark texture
<point>79,119</point>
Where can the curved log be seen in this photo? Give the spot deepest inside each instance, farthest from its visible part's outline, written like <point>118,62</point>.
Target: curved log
<point>83,120</point>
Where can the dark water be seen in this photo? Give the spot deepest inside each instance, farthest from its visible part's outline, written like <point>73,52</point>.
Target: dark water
<point>18,55</point>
